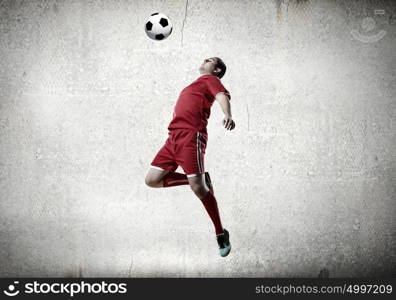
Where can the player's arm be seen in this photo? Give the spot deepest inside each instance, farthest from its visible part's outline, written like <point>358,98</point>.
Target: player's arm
<point>224,102</point>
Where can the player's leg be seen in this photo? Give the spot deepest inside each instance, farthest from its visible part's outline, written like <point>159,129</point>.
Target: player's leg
<point>157,177</point>
<point>199,187</point>
<point>201,190</point>
<point>191,158</point>
<point>154,177</point>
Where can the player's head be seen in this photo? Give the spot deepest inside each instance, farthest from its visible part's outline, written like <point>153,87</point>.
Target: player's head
<point>214,66</point>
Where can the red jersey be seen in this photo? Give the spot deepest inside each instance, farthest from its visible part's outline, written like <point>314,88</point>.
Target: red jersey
<point>192,109</point>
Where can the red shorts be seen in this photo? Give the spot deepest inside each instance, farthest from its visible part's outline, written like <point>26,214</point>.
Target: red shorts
<point>185,148</point>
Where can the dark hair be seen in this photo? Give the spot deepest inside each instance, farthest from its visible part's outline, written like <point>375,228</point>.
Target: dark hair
<point>221,65</point>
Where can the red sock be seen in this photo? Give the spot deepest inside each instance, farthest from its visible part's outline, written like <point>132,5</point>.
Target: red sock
<point>210,203</point>
<point>174,179</point>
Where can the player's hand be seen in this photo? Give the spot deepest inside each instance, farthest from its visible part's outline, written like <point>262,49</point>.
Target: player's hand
<point>228,123</point>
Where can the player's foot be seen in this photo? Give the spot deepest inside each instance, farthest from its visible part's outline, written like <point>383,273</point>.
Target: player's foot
<point>208,181</point>
<point>223,240</point>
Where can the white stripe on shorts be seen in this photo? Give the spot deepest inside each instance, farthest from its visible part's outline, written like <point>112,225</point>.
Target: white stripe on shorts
<point>199,152</point>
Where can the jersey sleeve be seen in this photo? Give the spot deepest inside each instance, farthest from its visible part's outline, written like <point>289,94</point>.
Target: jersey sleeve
<point>215,86</point>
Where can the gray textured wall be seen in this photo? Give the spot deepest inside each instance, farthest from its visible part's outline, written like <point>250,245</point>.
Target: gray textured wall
<point>305,183</point>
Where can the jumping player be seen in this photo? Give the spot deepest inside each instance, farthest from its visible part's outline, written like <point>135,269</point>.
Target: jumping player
<point>187,139</point>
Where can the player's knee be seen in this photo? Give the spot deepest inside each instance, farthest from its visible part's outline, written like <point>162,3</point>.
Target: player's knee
<point>199,190</point>
<point>150,181</point>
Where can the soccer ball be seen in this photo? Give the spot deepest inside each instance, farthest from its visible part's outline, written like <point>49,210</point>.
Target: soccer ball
<point>158,27</point>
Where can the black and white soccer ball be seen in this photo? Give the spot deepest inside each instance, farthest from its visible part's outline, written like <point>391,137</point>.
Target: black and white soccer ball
<point>158,27</point>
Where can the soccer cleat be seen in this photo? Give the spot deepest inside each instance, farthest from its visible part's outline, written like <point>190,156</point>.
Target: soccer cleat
<point>208,181</point>
<point>223,240</point>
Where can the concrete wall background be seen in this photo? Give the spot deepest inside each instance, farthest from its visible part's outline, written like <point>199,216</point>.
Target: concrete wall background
<point>306,182</point>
